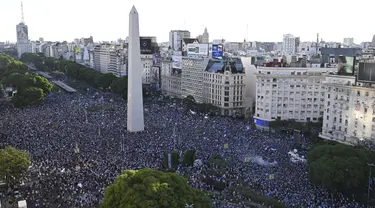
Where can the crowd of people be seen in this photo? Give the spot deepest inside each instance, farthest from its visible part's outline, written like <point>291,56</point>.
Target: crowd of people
<point>78,145</point>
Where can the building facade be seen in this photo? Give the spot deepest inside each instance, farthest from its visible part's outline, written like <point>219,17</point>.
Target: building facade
<point>23,43</point>
<point>175,38</point>
<point>147,63</point>
<point>349,115</point>
<point>109,59</point>
<point>289,93</point>
<point>170,79</point>
<point>219,82</point>
<point>289,44</point>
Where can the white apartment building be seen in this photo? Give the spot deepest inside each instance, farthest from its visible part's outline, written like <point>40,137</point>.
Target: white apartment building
<point>218,82</point>
<point>175,38</point>
<point>170,79</point>
<point>192,77</point>
<point>109,59</point>
<point>147,63</point>
<point>349,115</point>
<point>289,93</point>
<point>348,41</point>
<point>289,44</point>
<point>224,86</point>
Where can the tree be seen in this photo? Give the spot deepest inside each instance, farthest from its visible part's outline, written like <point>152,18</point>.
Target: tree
<point>120,86</point>
<point>15,80</point>
<point>340,167</point>
<point>150,188</point>
<point>42,83</point>
<point>189,157</point>
<point>28,96</point>
<point>104,80</point>
<point>13,164</point>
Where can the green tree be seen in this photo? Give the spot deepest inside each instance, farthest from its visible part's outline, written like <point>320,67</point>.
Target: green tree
<point>17,81</point>
<point>189,157</point>
<point>28,96</point>
<point>340,167</point>
<point>13,164</point>
<point>42,83</point>
<point>147,188</point>
<point>104,80</point>
<point>120,86</point>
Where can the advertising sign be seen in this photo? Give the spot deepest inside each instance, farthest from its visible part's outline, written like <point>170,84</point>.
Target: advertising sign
<point>177,62</point>
<point>156,59</point>
<point>346,65</point>
<point>366,72</point>
<point>217,51</point>
<point>146,47</point>
<point>197,49</point>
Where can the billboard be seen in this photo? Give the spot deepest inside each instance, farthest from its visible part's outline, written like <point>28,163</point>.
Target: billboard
<point>217,51</point>
<point>346,65</point>
<point>146,47</point>
<point>156,59</point>
<point>197,49</point>
<point>366,72</point>
<point>177,62</point>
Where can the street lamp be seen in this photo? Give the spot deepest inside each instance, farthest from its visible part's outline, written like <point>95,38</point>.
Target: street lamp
<point>369,184</point>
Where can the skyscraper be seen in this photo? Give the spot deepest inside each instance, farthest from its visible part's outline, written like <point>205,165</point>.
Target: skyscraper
<point>135,99</point>
<point>289,44</point>
<point>176,37</point>
<point>23,42</point>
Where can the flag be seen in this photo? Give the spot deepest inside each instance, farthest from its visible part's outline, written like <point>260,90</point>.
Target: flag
<point>226,146</point>
<point>271,176</point>
<point>246,159</point>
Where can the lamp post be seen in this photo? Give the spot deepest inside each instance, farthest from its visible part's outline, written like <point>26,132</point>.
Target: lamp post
<point>369,184</point>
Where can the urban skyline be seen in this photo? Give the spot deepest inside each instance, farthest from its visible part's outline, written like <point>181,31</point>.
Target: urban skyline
<point>108,25</point>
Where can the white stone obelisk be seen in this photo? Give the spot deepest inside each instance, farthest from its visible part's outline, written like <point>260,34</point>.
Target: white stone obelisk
<point>135,98</point>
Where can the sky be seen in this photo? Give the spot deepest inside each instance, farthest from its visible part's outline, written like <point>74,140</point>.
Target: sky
<point>234,20</point>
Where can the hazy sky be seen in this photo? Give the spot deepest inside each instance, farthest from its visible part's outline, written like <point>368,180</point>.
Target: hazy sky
<point>267,20</point>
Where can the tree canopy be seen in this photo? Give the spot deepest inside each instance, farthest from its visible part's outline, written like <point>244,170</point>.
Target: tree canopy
<point>340,167</point>
<point>30,89</point>
<point>150,188</point>
<point>13,164</point>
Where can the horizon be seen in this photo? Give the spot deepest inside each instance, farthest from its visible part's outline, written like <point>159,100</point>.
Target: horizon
<point>90,19</point>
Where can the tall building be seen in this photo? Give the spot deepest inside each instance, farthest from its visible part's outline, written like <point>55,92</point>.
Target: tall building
<point>349,115</point>
<point>348,41</point>
<point>290,44</point>
<point>204,38</point>
<point>135,98</point>
<point>290,93</point>
<point>176,37</point>
<point>109,59</point>
<point>23,43</point>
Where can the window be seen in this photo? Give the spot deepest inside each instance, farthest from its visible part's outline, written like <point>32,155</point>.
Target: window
<point>226,93</point>
<point>226,104</point>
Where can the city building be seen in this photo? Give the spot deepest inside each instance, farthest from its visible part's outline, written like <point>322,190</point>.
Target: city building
<point>204,38</point>
<point>219,82</point>
<point>348,42</point>
<point>175,38</point>
<point>170,78</point>
<point>290,44</point>
<point>290,93</point>
<point>146,65</point>
<point>23,43</point>
<point>223,86</point>
<point>109,59</point>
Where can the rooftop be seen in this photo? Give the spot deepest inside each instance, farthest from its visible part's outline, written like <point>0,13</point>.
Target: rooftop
<point>220,66</point>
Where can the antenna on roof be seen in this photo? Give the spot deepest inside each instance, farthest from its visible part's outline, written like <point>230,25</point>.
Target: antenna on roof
<point>247,32</point>
<point>22,17</point>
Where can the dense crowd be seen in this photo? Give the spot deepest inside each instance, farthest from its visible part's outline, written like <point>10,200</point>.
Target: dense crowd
<point>76,153</point>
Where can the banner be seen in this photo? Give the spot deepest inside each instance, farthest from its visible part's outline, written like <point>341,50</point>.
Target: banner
<point>169,161</point>
<point>177,62</point>
<point>197,49</point>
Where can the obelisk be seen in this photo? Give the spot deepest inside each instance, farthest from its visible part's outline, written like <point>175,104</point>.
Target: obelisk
<point>135,98</point>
